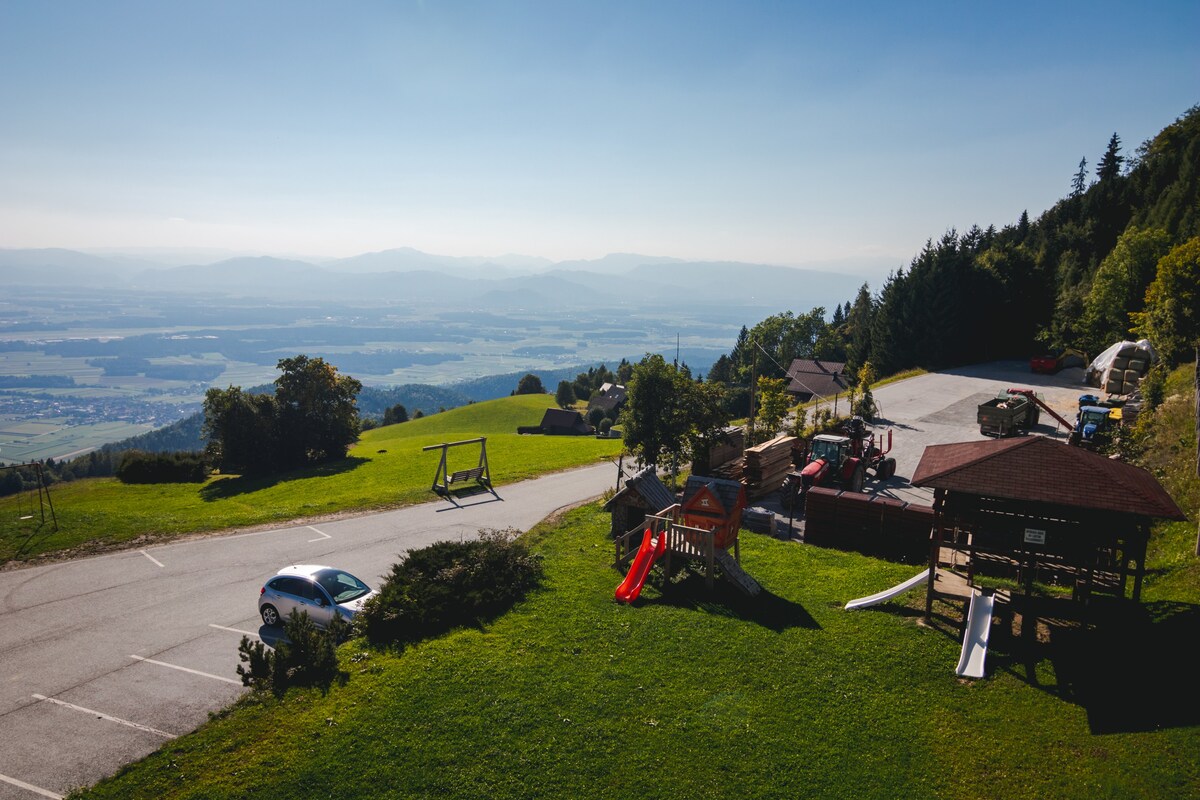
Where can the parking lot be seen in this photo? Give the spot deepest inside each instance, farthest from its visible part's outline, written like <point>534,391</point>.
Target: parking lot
<point>106,659</point>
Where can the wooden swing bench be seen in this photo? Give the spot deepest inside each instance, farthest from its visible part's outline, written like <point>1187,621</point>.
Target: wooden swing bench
<point>462,481</point>
<point>464,475</point>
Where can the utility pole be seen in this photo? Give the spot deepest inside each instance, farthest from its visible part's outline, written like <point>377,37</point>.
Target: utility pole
<point>753,382</point>
<point>1197,390</point>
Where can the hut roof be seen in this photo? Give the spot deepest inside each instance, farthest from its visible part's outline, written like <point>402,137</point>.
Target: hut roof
<point>727,491</point>
<point>565,418</point>
<point>1034,468</point>
<point>647,486</point>
<point>817,378</point>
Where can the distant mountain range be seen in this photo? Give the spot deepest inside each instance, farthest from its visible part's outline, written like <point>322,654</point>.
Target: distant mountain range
<point>408,276</point>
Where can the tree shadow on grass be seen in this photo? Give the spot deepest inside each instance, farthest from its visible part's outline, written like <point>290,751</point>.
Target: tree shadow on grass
<point>766,609</point>
<point>1128,667</point>
<point>224,488</point>
<point>37,534</point>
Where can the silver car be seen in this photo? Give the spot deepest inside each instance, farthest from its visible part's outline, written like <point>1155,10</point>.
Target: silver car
<point>320,591</point>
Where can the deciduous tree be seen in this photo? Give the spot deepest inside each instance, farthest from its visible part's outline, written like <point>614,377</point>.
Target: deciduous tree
<point>530,384</point>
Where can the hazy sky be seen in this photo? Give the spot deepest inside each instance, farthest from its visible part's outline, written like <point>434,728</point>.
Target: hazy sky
<point>779,132</point>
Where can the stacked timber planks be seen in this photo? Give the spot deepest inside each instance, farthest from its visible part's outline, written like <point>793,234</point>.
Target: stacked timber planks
<point>730,470</point>
<point>766,465</point>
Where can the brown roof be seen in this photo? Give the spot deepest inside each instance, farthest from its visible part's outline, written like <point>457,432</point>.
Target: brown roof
<point>1038,469</point>
<point>816,377</point>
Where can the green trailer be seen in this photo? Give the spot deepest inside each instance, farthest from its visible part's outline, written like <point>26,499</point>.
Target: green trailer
<point>1008,414</point>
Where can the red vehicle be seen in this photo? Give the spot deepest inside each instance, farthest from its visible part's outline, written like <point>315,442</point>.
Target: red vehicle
<point>1044,365</point>
<point>841,460</point>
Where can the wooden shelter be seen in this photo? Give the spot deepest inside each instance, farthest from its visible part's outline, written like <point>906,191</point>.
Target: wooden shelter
<point>1033,508</point>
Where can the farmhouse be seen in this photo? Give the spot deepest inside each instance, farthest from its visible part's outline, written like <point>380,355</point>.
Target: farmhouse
<point>809,378</point>
<point>609,399</point>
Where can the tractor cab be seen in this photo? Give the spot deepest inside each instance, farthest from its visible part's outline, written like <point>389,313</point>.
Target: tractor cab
<point>1092,420</point>
<point>830,449</point>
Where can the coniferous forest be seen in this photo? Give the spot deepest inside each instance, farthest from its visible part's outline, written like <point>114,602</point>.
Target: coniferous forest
<point>1118,256</point>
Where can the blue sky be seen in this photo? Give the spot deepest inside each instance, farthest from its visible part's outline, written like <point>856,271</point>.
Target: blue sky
<point>788,133</point>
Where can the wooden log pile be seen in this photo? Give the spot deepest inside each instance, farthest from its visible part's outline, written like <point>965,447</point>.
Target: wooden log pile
<point>766,465</point>
<point>730,470</point>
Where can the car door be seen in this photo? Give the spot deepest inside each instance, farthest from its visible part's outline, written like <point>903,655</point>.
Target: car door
<point>320,608</point>
<point>290,594</point>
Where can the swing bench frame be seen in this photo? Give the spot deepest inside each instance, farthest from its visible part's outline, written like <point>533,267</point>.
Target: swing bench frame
<point>43,494</point>
<point>446,484</point>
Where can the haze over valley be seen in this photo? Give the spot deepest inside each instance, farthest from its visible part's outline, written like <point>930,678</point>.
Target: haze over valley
<point>98,347</point>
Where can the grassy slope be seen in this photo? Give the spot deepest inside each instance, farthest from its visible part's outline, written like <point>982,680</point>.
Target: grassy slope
<point>1171,456</point>
<point>685,694</point>
<point>386,468</point>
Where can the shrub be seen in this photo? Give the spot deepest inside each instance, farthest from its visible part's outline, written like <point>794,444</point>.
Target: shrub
<point>308,656</point>
<point>447,585</point>
<point>181,467</point>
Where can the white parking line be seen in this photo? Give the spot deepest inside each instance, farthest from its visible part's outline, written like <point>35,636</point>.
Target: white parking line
<point>324,535</point>
<point>102,715</point>
<point>233,630</point>
<point>152,558</point>
<point>185,669</point>
<point>29,787</point>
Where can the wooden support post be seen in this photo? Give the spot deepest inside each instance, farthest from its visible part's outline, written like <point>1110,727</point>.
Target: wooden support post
<point>935,547</point>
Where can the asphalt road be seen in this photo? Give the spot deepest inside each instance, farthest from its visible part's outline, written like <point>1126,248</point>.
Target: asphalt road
<point>940,408</point>
<point>103,660</point>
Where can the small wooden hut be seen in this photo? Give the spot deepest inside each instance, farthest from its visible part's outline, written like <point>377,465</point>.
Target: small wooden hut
<point>642,496</point>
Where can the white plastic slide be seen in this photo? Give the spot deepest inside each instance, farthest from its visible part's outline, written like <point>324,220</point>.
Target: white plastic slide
<point>895,591</point>
<point>975,643</point>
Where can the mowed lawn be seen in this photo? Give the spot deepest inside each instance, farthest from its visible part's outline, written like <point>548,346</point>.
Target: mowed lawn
<point>692,693</point>
<point>386,469</point>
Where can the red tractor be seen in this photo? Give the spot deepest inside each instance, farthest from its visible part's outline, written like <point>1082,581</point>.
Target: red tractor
<point>840,460</point>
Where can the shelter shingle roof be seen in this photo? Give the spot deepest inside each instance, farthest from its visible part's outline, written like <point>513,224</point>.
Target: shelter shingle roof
<point>1038,469</point>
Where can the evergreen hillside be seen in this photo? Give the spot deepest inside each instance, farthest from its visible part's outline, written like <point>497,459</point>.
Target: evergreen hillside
<point>1119,256</point>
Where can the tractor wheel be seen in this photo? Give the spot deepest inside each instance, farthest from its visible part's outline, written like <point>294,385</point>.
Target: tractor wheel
<point>887,468</point>
<point>858,478</point>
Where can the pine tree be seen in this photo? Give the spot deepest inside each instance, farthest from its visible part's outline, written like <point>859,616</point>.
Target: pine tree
<point>1079,182</point>
<point>1110,163</point>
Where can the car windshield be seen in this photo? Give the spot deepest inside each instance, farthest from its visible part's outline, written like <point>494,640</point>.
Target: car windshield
<point>342,586</point>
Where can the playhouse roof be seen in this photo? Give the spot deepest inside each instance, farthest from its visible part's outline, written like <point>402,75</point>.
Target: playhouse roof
<point>1034,468</point>
<point>727,492</point>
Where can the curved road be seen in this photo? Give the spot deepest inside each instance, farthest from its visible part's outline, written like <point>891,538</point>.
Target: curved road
<point>104,659</point>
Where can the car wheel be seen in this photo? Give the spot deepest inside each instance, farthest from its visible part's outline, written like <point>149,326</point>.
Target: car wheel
<point>270,616</point>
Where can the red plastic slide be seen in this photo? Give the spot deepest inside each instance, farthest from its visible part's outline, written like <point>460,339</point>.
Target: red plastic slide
<point>647,554</point>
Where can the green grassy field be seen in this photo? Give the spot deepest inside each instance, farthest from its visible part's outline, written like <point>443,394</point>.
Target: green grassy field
<point>22,441</point>
<point>692,693</point>
<point>387,468</point>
